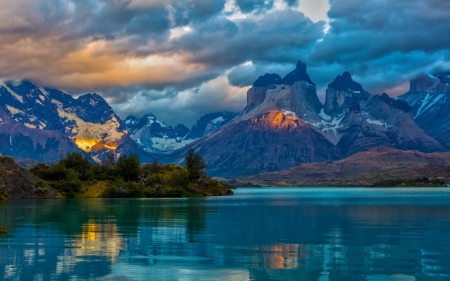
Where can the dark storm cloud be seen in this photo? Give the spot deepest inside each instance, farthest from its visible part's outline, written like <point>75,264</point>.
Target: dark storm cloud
<point>371,29</point>
<point>385,43</point>
<point>182,58</point>
<point>279,36</point>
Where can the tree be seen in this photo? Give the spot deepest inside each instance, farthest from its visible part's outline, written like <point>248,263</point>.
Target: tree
<point>78,162</point>
<point>154,167</point>
<point>195,165</point>
<point>129,167</point>
<point>108,162</point>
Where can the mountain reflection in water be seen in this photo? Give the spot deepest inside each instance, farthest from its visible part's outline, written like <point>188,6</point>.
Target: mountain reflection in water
<point>258,234</point>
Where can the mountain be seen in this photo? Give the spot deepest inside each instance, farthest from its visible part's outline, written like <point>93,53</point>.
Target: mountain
<point>209,123</point>
<point>16,139</point>
<point>285,125</point>
<point>45,124</point>
<point>355,120</point>
<point>155,136</point>
<point>361,169</point>
<point>429,98</point>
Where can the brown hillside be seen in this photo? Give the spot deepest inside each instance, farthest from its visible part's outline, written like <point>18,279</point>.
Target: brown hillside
<point>361,169</point>
<point>18,183</point>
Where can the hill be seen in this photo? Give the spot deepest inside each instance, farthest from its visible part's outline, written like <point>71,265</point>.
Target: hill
<point>367,168</point>
<point>18,183</point>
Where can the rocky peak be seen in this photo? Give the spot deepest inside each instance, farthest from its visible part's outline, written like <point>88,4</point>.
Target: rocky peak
<point>343,93</point>
<point>295,93</point>
<point>267,79</point>
<point>92,108</point>
<point>298,74</point>
<point>395,103</point>
<point>209,123</point>
<point>425,83</point>
<point>345,82</point>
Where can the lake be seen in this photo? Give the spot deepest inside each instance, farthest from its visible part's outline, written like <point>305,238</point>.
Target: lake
<point>258,234</point>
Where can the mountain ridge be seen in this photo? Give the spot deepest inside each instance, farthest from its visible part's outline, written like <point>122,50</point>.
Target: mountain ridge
<point>285,125</point>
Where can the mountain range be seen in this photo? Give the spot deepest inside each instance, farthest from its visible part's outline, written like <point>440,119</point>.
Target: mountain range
<point>155,136</point>
<point>285,125</point>
<point>282,126</point>
<point>45,124</point>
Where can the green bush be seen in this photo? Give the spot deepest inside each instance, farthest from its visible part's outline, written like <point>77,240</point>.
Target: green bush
<point>129,167</point>
<point>126,178</point>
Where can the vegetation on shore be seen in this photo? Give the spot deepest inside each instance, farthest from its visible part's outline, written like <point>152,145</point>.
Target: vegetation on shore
<point>422,182</point>
<point>77,176</point>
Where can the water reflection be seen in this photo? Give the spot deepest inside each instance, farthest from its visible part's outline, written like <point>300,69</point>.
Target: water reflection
<point>289,235</point>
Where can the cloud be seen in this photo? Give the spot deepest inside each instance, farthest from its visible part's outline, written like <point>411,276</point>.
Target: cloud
<point>153,56</point>
<point>169,104</point>
<point>247,6</point>
<point>385,43</point>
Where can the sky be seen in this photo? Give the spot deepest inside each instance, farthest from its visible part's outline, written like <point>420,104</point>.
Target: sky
<point>180,59</point>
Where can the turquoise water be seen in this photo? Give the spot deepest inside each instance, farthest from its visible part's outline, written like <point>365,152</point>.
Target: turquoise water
<point>258,234</point>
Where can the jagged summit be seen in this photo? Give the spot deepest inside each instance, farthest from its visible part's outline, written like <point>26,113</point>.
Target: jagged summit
<point>285,125</point>
<point>298,74</point>
<point>342,93</point>
<point>345,82</point>
<point>396,103</point>
<point>295,93</point>
<point>267,79</point>
<point>153,135</point>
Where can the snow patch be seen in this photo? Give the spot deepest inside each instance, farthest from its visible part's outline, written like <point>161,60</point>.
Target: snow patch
<point>161,124</point>
<point>327,125</point>
<point>16,82</point>
<point>58,103</point>
<point>167,144</point>
<point>44,92</point>
<point>218,120</point>
<point>150,120</point>
<point>376,122</point>
<point>14,110</point>
<point>287,112</point>
<point>324,115</point>
<point>426,103</point>
<point>31,126</point>
<point>15,95</point>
